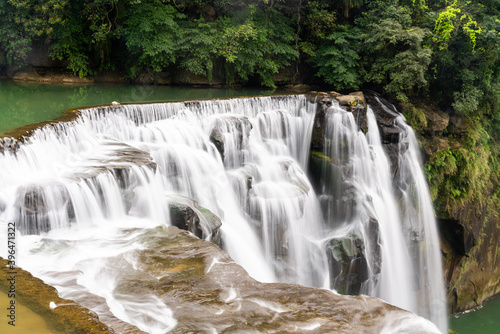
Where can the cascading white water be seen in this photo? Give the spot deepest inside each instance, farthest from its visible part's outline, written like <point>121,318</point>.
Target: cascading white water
<point>81,191</point>
<point>362,207</point>
<point>384,229</point>
<point>419,224</point>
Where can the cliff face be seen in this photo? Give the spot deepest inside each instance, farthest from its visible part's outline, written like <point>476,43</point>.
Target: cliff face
<point>464,186</point>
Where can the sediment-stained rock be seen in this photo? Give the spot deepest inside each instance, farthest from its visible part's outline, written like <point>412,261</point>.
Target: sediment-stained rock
<point>208,292</point>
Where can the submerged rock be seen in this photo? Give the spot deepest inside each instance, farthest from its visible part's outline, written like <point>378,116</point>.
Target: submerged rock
<point>348,264</point>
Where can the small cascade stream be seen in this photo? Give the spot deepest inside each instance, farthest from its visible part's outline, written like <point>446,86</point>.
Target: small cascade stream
<point>84,195</point>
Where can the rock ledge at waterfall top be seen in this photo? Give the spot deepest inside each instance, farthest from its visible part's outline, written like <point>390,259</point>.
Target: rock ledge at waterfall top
<point>354,102</point>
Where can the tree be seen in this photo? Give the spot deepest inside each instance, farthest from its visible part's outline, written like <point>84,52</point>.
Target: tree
<point>14,42</point>
<point>151,32</point>
<point>338,60</point>
<point>394,53</point>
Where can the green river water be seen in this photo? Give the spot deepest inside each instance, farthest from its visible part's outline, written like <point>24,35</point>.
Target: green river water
<point>27,103</point>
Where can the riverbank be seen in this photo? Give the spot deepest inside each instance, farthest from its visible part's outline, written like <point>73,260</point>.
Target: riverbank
<point>54,75</point>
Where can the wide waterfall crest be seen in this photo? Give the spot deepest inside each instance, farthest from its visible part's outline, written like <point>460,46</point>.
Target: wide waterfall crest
<point>88,187</point>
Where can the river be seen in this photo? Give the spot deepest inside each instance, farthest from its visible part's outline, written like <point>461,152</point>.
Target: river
<point>27,103</point>
<point>483,320</point>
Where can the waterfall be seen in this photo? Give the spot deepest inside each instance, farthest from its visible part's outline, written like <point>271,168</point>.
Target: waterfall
<point>82,193</point>
<point>362,212</point>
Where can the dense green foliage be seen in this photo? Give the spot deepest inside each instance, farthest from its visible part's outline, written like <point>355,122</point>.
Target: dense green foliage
<point>445,50</point>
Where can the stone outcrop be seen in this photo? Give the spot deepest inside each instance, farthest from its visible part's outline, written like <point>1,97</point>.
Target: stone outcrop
<point>240,128</point>
<point>187,214</point>
<point>470,240</point>
<point>347,263</point>
<point>354,103</point>
<point>208,292</point>
<point>35,74</point>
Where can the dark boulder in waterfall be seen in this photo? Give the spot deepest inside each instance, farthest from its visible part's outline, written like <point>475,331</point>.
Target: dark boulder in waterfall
<point>217,138</point>
<point>348,264</point>
<point>386,115</point>
<point>390,132</point>
<point>187,214</point>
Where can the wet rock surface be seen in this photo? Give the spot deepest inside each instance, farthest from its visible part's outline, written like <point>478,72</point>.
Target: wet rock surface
<point>391,134</point>
<point>348,263</point>
<point>187,214</point>
<point>354,102</point>
<point>207,292</point>
<point>32,212</point>
<point>69,317</point>
<point>220,133</point>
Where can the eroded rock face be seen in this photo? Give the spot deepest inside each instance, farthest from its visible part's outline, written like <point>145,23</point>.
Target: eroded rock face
<point>348,260</point>
<point>354,103</point>
<point>348,264</point>
<point>469,233</point>
<point>391,134</point>
<point>470,244</point>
